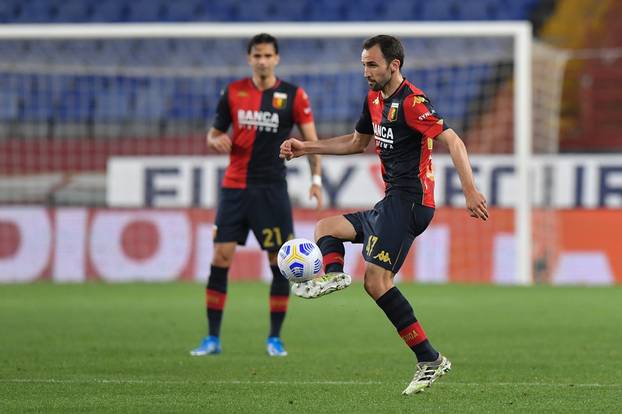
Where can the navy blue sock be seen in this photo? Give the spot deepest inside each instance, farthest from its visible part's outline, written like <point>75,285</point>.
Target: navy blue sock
<point>279,299</point>
<point>215,298</point>
<point>402,316</point>
<point>333,251</point>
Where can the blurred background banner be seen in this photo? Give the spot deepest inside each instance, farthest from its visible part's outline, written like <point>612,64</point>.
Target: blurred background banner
<point>104,171</point>
<point>558,181</point>
<point>158,245</point>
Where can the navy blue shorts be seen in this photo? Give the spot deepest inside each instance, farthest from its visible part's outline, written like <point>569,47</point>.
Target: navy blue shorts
<point>266,210</point>
<point>389,229</point>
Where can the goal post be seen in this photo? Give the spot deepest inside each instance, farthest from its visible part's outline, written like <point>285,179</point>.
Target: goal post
<point>519,73</point>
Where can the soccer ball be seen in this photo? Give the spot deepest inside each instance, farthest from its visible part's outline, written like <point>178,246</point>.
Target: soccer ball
<point>299,260</point>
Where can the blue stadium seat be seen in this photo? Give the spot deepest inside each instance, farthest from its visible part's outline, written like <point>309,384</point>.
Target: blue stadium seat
<point>286,10</point>
<point>31,11</point>
<point>37,106</point>
<point>473,10</point>
<point>9,105</point>
<point>438,10</point>
<point>112,105</point>
<point>36,11</point>
<point>326,10</point>
<point>76,97</point>
<point>146,11</point>
<point>7,11</point>
<point>150,100</point>
<point>185,11</point>
<point>74,11</point>
<point>110,11</point>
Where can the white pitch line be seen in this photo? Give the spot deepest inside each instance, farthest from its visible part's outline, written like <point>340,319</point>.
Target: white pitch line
<point>197,382</point>
<point>318,382</point>
<point>528,384</point>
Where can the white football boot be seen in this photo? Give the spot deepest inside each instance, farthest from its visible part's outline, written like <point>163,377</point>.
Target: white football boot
<point>322,285</point>
<point>426,374</point>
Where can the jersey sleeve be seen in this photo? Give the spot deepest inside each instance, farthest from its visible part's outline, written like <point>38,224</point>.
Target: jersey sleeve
<point>222,121</point>
<point>421,116</point>
<point>364,125</point>
<point>302,108</point>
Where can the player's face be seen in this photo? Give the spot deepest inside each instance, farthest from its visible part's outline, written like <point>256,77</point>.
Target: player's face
<point>376,69</point>
<point>263,59</point>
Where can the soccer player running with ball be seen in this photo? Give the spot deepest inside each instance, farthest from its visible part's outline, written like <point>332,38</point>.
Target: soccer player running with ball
<point>404,125</point>
<point>262,110</point>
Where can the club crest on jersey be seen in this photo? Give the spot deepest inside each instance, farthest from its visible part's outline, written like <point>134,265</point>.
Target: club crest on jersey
<point>279,100</point>
<point>392,115</point>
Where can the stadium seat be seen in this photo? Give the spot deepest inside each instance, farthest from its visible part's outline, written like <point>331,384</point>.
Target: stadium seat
<point>35,11</point>
<point>150,101</point>
<point>9,105</point>
<point>112,105</point>
<point>194,97</point>
<point>110,11</point>
<point>146,11</point>
<point>74,11</point>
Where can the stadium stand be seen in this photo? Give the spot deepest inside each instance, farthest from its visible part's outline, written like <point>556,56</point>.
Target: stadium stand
<point>83,117</point>
<point>118,98</point>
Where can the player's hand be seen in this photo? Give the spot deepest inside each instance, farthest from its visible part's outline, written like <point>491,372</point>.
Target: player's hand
<point>220,144</point>
<point>291,148</point>
<point>476,204</point>
<point>316,192</point>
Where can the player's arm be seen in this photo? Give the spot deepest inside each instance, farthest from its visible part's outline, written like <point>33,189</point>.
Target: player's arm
<point>310,135</point>
<point>476,202</point>
<point>217,139</point>
<point>346,144</point>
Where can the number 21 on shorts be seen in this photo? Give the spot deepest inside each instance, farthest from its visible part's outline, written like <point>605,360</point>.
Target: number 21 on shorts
<point>270,236</point>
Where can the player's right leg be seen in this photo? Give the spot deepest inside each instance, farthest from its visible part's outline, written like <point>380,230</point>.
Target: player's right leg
<point>215,298</point>
<point>330,233</point>
<point>230,228</point>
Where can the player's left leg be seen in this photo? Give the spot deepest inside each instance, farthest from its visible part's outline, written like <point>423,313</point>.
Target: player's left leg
<point>431,364</point>
<point>279,299</point>
<point>389,236</point>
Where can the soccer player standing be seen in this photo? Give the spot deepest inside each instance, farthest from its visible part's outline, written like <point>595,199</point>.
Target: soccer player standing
<point>262,110</point>
<point>405,126</point>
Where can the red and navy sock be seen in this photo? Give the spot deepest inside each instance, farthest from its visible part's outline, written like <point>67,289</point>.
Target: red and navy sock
<point>401,314</point>
<point>333,251</point>
<point>279,298</point>
<point>215,298</point>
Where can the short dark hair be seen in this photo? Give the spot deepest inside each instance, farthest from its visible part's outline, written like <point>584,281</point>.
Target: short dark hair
<point>262,38</point>
<point>390,47</point>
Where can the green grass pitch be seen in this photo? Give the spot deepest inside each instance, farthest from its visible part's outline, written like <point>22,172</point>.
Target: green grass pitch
<point>124,348</point>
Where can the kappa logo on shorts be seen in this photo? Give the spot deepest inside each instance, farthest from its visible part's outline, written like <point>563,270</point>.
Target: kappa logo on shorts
<point>383,257</point>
